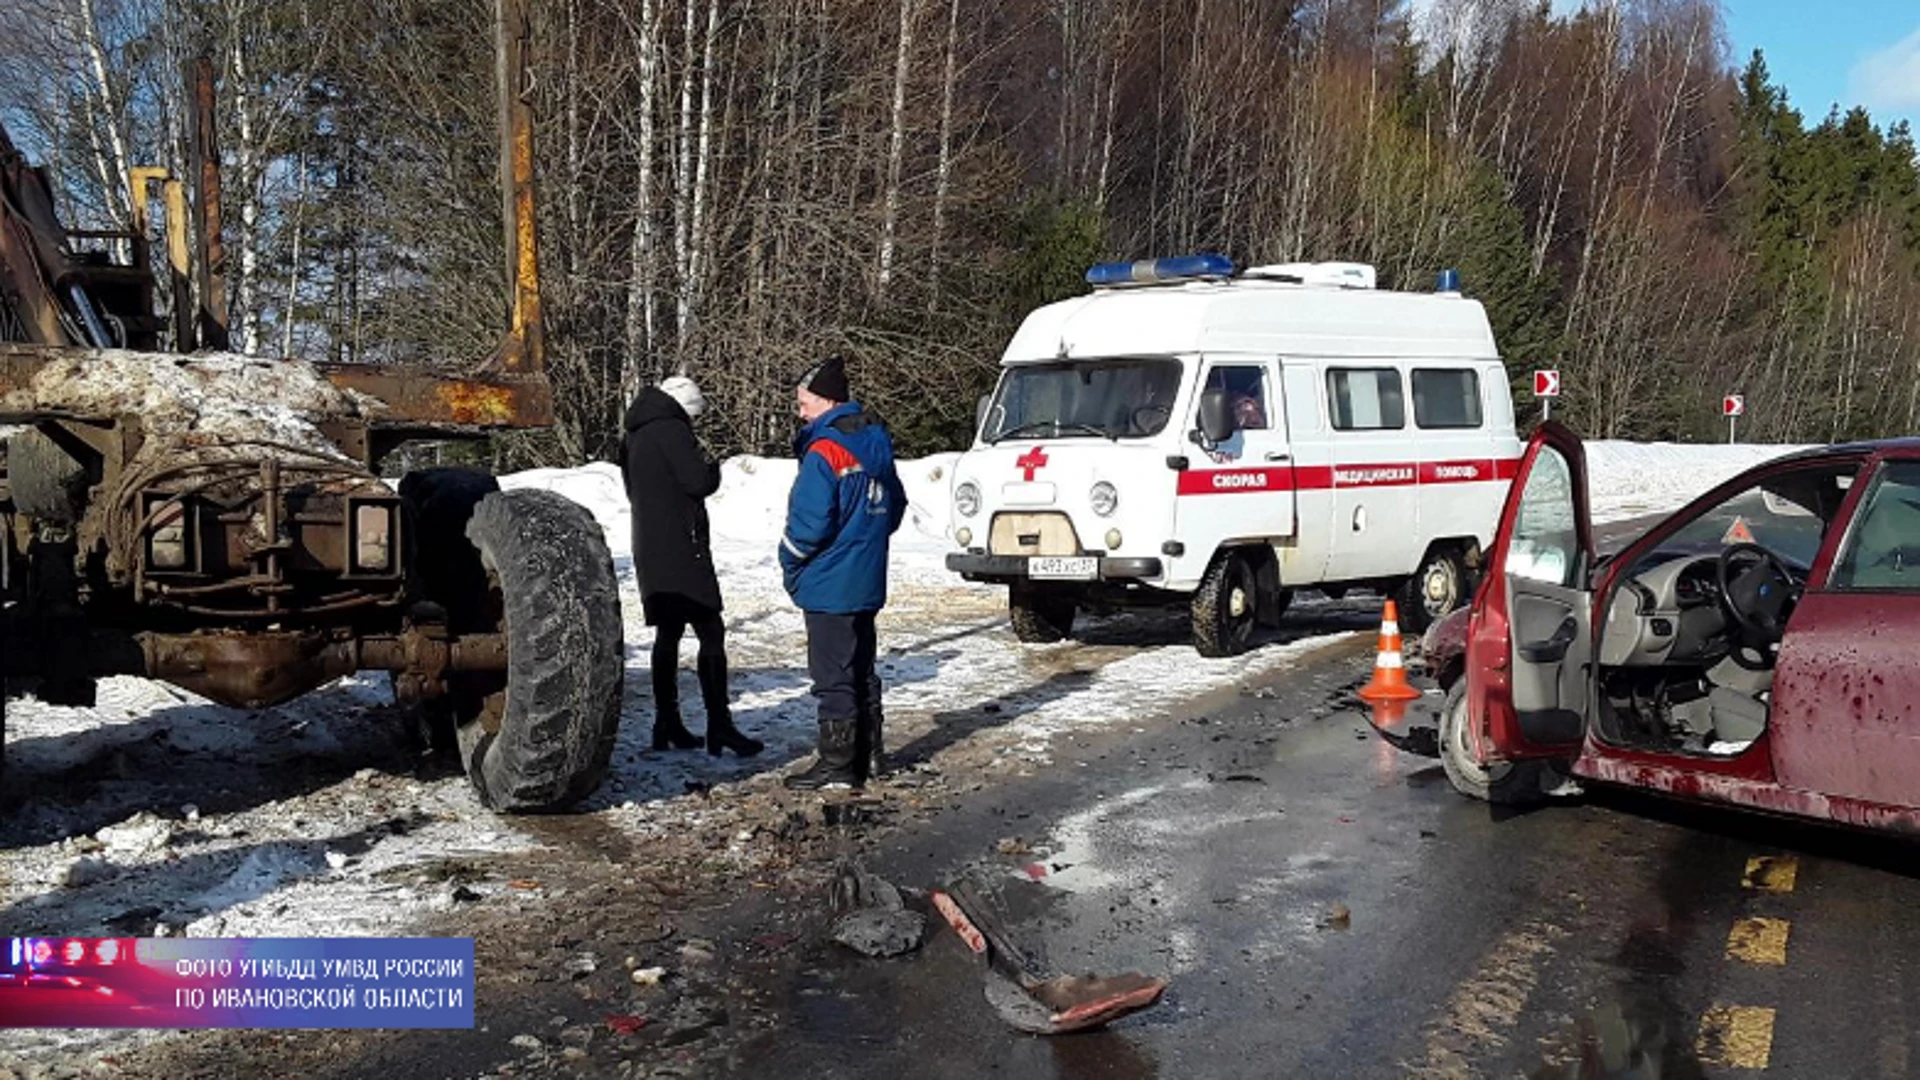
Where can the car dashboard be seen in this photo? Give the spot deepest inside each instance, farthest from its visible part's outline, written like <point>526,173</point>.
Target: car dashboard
<point>1670,613</point>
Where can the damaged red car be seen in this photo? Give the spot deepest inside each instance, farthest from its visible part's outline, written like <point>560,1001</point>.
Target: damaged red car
<point>1760,647</point>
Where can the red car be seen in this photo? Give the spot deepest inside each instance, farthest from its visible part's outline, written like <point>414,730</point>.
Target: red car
<point>1761,647</point>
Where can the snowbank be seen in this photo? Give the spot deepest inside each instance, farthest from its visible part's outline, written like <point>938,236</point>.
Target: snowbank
<point>1627,480</point>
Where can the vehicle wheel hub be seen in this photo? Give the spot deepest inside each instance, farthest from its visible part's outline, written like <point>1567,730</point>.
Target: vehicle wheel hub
<point>1237,604</point>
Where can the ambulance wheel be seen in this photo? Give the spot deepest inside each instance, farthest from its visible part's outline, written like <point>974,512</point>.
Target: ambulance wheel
<point>1226,607</point>
<point>1040,619</point>
<point>1503,783</point>
<point>1434,590</point>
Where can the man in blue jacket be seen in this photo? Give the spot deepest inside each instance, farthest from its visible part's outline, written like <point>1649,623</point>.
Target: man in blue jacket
<point>845,506</point>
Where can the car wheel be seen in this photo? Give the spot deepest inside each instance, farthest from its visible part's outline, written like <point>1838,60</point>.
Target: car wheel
<point>1040,619</point>
<point>1226,607</point>
<point>1434,590</point>
<point>1503,783</point>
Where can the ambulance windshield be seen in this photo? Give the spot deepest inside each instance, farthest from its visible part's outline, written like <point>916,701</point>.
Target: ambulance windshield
<point>1108,399</point>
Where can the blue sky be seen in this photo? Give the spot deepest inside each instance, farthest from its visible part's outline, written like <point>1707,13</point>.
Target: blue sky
<point>1855,52</point>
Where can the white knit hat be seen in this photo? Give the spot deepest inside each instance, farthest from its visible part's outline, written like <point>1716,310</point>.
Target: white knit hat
<point>686,392</point>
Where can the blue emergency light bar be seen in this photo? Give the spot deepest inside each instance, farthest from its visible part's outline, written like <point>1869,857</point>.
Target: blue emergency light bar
<point>1447,281</point>
<point>1150,271</point>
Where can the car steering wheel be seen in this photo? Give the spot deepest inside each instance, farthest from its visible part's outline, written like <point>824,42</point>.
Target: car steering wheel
<point>1758,591</point>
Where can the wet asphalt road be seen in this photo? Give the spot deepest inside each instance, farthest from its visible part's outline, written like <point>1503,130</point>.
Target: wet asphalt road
<point>1584,939</point>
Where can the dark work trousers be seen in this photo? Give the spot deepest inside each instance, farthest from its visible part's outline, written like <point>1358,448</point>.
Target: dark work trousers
<point>840,656</point>
<point>707,626</point>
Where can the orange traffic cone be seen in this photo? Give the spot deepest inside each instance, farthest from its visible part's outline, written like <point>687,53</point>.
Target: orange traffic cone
<point>1389,671</point>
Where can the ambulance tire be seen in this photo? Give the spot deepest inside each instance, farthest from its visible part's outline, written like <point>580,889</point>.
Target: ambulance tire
<point>1226,607</point>
<point>1503,783</point>
<point>1038,618</point>
<point>1434,591</point>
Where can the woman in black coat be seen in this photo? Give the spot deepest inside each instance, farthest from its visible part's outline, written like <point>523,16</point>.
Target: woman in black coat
<point>668,479</point>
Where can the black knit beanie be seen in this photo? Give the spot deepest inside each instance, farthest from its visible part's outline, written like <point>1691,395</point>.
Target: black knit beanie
<point>828,379</point>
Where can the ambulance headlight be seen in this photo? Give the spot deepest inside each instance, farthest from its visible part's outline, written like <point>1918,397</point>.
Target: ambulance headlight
<point>966,499</point>
<point>1104,498</point>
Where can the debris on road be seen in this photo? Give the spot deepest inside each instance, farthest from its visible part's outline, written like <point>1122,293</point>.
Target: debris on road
<point>881,934</point>
<point>1340,918</point>
<point>1027,997</point>
<point>624,1024</point>
<point>649,976</point>
<point>877,922</point>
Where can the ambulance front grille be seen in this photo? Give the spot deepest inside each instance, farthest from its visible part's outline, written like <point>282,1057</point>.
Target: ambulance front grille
<point>1033,534</point>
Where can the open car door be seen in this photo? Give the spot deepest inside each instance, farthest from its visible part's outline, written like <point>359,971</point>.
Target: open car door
<point>1530,640</point>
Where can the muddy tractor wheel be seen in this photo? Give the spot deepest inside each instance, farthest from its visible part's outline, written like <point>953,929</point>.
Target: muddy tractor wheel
<point>544,741</point>
<point>1226,607</point>
<point>438,504</point>
<point>1435,590</point>
<point>1503,783</point>
<point>1039,618</point>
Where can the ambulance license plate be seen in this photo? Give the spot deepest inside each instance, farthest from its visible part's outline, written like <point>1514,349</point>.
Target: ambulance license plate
<point>1059,568</point>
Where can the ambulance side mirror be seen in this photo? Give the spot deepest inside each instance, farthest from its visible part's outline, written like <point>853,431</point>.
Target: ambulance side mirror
<point>1216,419</point>
<point>980,412</point>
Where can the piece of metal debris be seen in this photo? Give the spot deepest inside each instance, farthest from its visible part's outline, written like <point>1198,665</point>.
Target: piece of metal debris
<point>1026,996</point>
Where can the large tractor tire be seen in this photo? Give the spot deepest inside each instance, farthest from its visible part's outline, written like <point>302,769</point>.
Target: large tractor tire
<point>544,741</point>
<point>438,503</point>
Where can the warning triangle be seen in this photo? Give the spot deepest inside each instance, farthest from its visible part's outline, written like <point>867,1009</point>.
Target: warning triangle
<point>1738,533</point>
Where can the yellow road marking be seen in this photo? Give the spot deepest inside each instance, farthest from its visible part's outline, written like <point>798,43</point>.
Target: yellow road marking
<point>1481,1014</point>
<point>1736,1036</point>
<point>1758,941</point>
<point>1772,873</point>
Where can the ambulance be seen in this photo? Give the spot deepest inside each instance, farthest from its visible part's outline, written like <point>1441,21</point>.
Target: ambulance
<point>1192,434</point>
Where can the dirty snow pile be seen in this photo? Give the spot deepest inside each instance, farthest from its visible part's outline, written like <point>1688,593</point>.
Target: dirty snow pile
<point>205,398</point>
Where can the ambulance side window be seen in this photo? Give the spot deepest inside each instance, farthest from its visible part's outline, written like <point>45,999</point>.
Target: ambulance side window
<point>1246,390</point>
<point>1366,399</point>
<point>1446,398</point>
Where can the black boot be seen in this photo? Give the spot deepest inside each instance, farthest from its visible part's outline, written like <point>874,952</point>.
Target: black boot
<point>722,735</point>
<point>669,733</point>
<point>873,745</point>
<point>835,766</point>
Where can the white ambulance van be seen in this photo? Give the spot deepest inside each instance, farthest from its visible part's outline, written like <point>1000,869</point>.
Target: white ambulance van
<point>1189,434</point>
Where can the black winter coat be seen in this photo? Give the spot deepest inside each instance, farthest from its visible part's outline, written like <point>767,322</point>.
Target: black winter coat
<point>668,479</point>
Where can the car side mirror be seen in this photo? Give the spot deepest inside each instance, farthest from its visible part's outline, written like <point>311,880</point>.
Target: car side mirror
<point>1216,419</point>
<point>980,411</point>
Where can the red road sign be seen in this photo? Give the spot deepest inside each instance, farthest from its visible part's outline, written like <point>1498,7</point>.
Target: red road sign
<point>1546,383</point>
<point>1733,405</point>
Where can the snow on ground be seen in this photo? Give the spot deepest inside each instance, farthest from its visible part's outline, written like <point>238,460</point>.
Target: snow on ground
<point>157,808</point>
<point>1628,480</point>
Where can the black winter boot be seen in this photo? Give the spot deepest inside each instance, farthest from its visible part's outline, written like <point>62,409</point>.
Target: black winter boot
<point>722,735</point>
<point>873,745</point>
<point>835,766</point>
<point>670,733</point>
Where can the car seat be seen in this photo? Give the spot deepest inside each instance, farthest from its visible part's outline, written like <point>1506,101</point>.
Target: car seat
<point>1739,701</point>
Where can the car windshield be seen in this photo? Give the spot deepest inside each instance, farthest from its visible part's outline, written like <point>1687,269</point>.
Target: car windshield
<point>1111,399</point>
<point>1787,515</point>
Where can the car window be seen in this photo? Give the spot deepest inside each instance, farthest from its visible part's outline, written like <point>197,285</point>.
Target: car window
<point>1787,514</point>
<point>1366,399</point>
<point>1246,388</point>
<point>1446,399</point>
<point>1883,551</point>
<point>1545,544</point>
